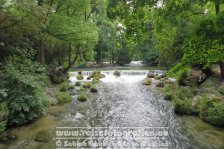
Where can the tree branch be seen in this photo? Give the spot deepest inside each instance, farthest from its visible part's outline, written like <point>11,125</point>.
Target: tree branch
<point>13,24</point>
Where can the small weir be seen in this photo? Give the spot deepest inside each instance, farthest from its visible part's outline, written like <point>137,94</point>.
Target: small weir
<point>123,72</point>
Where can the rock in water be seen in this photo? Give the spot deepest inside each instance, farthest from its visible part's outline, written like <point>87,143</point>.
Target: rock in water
<point>150,75</point>
<point>42,136</point>
<point>117,73</point>
<point>160,84</point>
<point>7,139</point>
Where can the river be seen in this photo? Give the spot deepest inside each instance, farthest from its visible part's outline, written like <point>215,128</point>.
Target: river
<point>121,103</point>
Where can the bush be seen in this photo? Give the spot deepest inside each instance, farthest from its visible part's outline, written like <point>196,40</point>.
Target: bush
<point>82,97</point>
<point>2,126</point>
<point>187,92</point>
<point>147,81</point>
<point>216,114</point>
<point>183,106</point>
<point>221,90</point>
<point>65,86</point>
<point>63,97</point>
<point>171,91</point>
<point>77,83</point>
<point>181,97</point>
<point>25,88</point>
<point>4,113</point>
<point>87,85</point>
<point>183,76</point>
<point>79,77</point>
<point>93,89</point>
<point>212,111</point>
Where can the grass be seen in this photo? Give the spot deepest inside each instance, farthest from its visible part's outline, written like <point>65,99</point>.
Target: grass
<point>79,77</point>
<point>87,85</point>
<point>63,97</point>
<point>93,89</point>
<point>65,86</point>
<point>147,81</point>
<point>77,83</point>
<point>82,97</point>
<point>96,80</point>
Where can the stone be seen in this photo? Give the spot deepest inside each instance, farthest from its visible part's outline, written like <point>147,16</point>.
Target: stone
<point>150,75</point>
<point>7,139</point>
<point>160,84</point>
<point>42,136</point>
<point>117,73</point>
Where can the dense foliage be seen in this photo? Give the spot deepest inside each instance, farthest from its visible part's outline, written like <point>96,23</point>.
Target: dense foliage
<point>24,97</point>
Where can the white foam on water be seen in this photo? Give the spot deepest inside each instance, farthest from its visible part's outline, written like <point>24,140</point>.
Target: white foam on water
<point>122,78</point>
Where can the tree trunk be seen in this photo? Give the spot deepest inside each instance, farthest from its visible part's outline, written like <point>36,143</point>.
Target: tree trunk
<point>221,63</point>
<point>41,57</point>
<point>73,62</point>
<point>217,7</point>
<point>100,58</point>
<point>69,54</point>
<point>112,56</point>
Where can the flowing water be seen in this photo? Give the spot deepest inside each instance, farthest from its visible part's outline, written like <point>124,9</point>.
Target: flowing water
<point>122,103</point>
